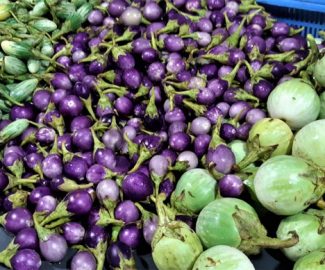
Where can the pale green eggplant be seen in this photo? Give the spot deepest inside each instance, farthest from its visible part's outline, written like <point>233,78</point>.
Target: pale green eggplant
<point>39,9</point>
<point>14,66</point>
<point>47,49</point>
<point>24,90</point>
<point>4,107</point>
<point>5,11</point>
<point>13,130</point>
<point>11,86</point>
<point>4,92</point>
<point>74,21</point>
<point>78,3</point>
<point>17,49</point>
<point>33,65</point>
<point>64,10</point>
<point>44,25</point>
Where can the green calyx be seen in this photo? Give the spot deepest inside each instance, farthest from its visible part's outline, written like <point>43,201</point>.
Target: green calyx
<point>106,218</point>
<point>7,254</point>
<point>144,155</point>
<point>19,198</point>
<point>254,236</point>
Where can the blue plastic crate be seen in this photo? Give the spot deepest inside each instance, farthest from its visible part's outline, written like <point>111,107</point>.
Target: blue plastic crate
<point>307,13</point>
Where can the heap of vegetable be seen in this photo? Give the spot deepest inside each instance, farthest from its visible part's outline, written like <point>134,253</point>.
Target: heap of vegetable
<point>133,121</point>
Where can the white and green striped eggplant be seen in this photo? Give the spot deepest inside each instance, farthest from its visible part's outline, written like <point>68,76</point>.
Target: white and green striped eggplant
<point>33,65</point>
<point>13,130</point>
<point>14,66</point>
<point>24,90</point>
<point>39,9</point>
<point>17,49</point>
<point>44,25</point>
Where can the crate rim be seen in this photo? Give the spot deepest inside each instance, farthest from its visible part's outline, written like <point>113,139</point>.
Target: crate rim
<point>309,5</point>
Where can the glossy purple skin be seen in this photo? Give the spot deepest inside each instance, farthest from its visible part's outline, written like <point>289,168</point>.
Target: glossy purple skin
<point>54,248</point>
<point>176,127</point>
<point>22,112</point>
<point>80,90</point>
<point>28,134</point>
<point>262,89</point>
<point>231,186</point>
<point>41,99</point>
<point>156,71</point>
<point>200,125</point>
<point>206,96</point>
<point>45,135</point>
<point>95,173</point>
<point>132,78</point>
<point>154,28</point>
<point>179,141</point>
<point>79,202</point>
<point>210,70</point>
<point>26,259</point>
<point>149,55</point>
<point>243,131</point>
<point>94,235</point>
<point>14,149</point>
<point>152,11</point>
<point>30,148</point>
<point>174,43</point>
<point>18,219</point>
<point>105,157</point>
<point>228,132</point>
<point>76,168</point>
<point>83,139</point>
<point>175,115</point>
<point>149,228</point>
<point>65,139</point>
<point>27,238</point>
<point>257,42</point>
<point>71,106</point>
<point>124,106</point>
<point>289,44</point>
<point>130,235</point>
<point>77,72</point>
<point>64,61</point>
<point>184,76</point>
<point>61,81</point>
<point>254,115</point>
<point>201,144</point>
<point>213,115</point>
<point>280,29</point>
<point>10,159</point>
<point>140,44</point>
<point>4,181</point>
<point>115,250</point>
<point>112,139</point>
<point>137,186</point>
<point>93,217</point>
<point>107,190</point>
<point>239,110</point>
<point>83,260</point>
<point>170,155</point>
<point>126,61</point>
<point>58,95</point>
<point>52,166</point>
<point>222,158</point>
<point>116,7</point>
<point>33,159</point>
<point>46,204</point>
<point>78,55</point>
<point>95,17</point>
<point>80,122</point>
<point>127,211</point>
<point>73,232</point>
<point>38,193</point>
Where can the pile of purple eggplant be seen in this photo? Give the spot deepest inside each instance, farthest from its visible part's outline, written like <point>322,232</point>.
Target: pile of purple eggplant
<point>144,92</point>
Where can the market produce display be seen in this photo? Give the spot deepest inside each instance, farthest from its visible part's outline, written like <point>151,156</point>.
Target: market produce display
<point>175,126</point>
